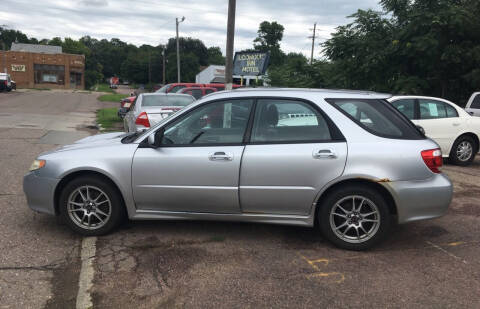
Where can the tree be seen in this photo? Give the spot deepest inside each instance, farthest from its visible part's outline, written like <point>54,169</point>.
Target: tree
<point>215,56</point>
<point>269,36</point>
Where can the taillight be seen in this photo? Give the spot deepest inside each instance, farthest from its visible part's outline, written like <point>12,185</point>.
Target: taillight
<point>142,119</point>
<point>433,159</point>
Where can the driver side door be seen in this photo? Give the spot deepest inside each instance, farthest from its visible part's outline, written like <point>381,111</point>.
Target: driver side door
<point>196,169</point>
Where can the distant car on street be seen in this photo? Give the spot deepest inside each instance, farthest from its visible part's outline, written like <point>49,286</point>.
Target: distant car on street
<point>449,125</point>
<point>6,82</point>
<point>150,108</point>
<point>197,92</point>
<point>473,104</point>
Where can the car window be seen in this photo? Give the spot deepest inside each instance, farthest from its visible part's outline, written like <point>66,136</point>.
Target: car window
<point>476,102</point>
<point>176,88</point>
<point>406,107</point>
<point>166,100</point>
<point>207,91</point>
<point>377,117</point>
<point>451,111</point>
<point>431,109</point>
<point>288,120</point>
<point>164,88</point>
<point>197,93</point>
<point>214,123</point>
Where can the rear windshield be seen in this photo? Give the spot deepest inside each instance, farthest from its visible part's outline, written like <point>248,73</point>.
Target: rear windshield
<point>377,117</point>
<point>166,100</point>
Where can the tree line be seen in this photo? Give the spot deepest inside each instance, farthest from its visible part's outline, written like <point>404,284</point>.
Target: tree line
<point>422,47</point>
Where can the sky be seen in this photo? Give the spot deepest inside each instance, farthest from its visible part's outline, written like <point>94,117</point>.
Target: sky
<point>153,21</point>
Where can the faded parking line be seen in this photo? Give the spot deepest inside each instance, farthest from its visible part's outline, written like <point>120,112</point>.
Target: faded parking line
<point>85,281</point>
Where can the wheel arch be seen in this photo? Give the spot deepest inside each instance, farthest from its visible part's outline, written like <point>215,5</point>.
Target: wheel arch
<point>471,135</point>
<point>78,173</point>
<point>374,184</point>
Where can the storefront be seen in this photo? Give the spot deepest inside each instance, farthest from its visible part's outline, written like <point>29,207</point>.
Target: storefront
<point>42,66</point>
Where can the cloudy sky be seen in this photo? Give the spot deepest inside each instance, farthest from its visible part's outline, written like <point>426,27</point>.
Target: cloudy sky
<point>153,21</point>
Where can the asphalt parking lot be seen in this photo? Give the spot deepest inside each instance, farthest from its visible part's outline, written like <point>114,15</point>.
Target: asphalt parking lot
<point>158,264</point>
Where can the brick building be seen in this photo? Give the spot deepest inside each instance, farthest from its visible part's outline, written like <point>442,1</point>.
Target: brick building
<point>43,66</point>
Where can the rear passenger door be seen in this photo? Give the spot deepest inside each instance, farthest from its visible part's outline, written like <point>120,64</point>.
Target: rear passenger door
<point>440,122</point>
<point>294,151</point>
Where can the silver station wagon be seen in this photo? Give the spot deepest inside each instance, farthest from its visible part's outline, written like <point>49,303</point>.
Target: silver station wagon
<point>346,161</point>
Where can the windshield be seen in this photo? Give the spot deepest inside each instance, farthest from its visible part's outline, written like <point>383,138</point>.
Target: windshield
<point>166,100</point>
<point>164,88</point>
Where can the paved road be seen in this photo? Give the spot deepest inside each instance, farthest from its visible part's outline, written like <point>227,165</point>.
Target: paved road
<point>39,256</point>
<point>428,264</point>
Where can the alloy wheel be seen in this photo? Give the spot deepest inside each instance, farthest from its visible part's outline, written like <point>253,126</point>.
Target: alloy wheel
<point>464,151</point>
<point>89,207</point>
<point>355,219</point>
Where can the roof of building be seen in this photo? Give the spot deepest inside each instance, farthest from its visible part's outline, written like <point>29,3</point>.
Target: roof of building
<point>36,48</point>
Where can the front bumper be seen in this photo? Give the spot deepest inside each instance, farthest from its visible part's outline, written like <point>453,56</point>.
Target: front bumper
<point>40,192</point>
<point>422,199</point>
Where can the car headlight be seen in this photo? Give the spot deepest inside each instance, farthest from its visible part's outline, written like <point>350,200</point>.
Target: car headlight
<point>37,164</point>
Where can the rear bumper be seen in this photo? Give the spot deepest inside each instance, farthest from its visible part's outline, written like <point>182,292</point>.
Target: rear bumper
<point>40,192</point>
<point>422,199</point>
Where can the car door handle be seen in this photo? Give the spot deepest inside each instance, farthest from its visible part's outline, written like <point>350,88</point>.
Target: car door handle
<point>220,156</point>
<point>456,124</point>
<point>324,154</point>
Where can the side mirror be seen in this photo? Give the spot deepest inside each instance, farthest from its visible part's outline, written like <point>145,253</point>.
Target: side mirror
<point>155,139</point>
<point>421,129</point>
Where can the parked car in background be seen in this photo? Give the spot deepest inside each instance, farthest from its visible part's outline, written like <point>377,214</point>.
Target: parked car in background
<point>127,102</point>
<point>175,87</point>
<point>6,82</point>
<point>150,108</point>
<point>197,92</point>
<point>266,156</point>
<point>473,104</point>
<point>14,85</point>
<point>450,126</point>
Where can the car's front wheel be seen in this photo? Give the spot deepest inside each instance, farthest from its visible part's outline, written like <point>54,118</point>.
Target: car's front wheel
<point>355,217</point>
<point>463,151</point>
<point>91,206</point>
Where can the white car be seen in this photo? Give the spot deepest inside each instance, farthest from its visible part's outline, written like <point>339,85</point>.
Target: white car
<point>455,130</point>
<point>473,104</point>
<point>150,108</point>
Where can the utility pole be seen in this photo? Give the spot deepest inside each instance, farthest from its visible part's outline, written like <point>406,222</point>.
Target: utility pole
<point>313,41</point>
<point>230,40</point>
<point>163,67</point>
<point>178,49</point>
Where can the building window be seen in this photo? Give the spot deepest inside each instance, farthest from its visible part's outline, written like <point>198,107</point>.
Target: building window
<point>51,74</point>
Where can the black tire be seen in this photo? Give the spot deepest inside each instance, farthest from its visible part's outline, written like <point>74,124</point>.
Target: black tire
<point>370,195</point>
<point>117,208</point>
<point>454,156</point>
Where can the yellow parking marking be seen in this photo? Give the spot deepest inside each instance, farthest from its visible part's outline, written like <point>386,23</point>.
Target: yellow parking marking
<point>315,263</point>
<point>456,243</point>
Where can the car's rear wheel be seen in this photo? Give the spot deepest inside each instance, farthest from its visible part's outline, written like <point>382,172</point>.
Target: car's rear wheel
<point>463,151</point>
<point>355,217</point>
<point>91,206</point>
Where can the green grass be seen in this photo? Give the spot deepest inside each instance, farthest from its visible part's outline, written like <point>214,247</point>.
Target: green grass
<point>114,97</point>
<point>104,88</point>
<point>108,118</point>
